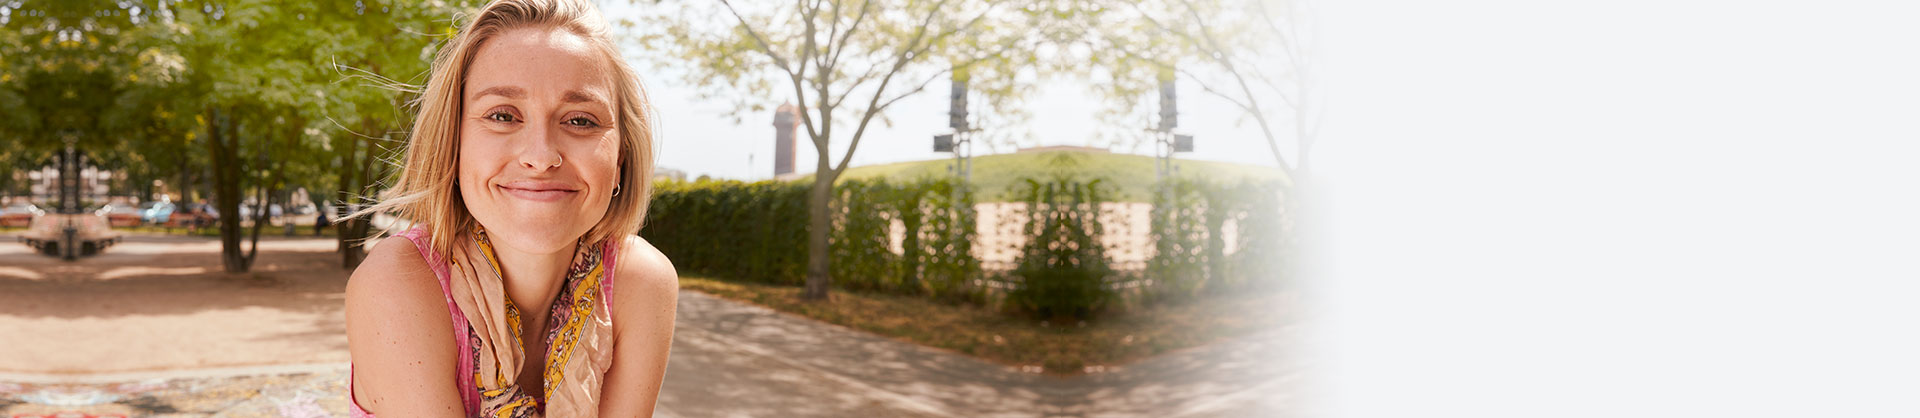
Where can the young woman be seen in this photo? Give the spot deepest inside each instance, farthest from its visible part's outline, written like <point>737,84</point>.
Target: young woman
<point>523,291</point>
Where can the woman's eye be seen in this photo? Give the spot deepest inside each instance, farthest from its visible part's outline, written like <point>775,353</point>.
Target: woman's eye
<point>581,122</point>
<point>502,117</point>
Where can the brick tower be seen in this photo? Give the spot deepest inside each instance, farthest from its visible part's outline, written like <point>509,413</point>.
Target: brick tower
<point>786,120</point>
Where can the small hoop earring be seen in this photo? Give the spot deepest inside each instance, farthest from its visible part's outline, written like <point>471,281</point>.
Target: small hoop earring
<point>616,191</point>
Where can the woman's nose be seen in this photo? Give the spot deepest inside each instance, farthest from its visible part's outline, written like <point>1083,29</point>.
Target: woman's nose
<point>539,153</point>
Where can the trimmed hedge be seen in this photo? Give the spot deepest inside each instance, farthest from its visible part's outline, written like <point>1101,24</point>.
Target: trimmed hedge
<point>756,232</point>
<point>1190,220</point>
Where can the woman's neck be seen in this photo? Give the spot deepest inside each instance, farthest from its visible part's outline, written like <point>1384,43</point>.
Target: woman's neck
<point>532,279</point>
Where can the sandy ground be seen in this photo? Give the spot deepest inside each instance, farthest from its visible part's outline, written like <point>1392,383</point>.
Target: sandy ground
<point>163,302</point>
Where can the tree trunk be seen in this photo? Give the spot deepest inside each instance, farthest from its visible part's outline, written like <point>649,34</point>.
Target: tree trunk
<point>260,219</point>
<point>819,225</point>
<point>226,189</point>
<point>349,187</point>
<point>268,188</point>
<point>365,169</point>
<point>362,167</point>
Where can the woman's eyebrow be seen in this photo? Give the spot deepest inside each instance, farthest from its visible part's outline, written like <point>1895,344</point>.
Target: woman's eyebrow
<point>577,96</point>
<point>509,92</point>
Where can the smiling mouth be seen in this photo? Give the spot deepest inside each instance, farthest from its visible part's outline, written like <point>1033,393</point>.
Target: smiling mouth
<point>540,194</point>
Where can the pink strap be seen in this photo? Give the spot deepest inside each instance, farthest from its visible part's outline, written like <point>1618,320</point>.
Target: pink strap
<point>610,257</point>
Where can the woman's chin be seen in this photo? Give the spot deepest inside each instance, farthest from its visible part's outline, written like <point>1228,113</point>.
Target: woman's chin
<point>534,237</point>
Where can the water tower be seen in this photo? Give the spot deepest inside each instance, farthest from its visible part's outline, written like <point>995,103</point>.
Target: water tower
<point>786,120</point>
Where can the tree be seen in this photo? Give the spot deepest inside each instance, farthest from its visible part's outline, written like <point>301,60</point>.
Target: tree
<point>253,79</point>
<point>285,94</point>
<point>376,56</point>
<point>62,67</point>
<point>823,53</point>
<point>1252,54</point>
<point>248,97</point>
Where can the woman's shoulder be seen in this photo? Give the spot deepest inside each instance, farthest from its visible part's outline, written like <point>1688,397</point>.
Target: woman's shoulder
<point>398,332</point>
<point>638,253</point>
<point>394,271</point>
<point>644,280</point>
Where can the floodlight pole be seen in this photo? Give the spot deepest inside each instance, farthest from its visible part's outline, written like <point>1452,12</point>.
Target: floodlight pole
<point>1163,131</point>
<point>1166,142</point>
<point>960,142</point>
<point>957,118</point>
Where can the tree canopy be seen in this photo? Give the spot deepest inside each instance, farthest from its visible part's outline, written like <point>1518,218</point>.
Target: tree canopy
<point>233,100</point>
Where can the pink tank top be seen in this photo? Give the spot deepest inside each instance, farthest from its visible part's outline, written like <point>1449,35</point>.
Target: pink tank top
<point>469,394</point>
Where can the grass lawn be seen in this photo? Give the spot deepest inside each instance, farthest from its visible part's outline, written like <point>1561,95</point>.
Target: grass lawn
<point>1062,349</point>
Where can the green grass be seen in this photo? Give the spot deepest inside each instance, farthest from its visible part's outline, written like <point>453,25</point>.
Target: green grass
<point>1059,348</point>
<point>1132,174</point>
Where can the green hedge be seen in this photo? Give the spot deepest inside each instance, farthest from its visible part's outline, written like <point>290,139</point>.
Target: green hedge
<point>756,232</point>
<point>1189,221</point>
<point>731,230</point>
<point>938,255</point>
<point>1063,269</point>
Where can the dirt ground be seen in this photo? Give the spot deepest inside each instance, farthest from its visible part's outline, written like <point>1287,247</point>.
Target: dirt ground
<point>158,302</point>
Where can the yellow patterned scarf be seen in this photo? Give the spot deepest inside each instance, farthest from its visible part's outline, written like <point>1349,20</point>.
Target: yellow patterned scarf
<point>579,336</point>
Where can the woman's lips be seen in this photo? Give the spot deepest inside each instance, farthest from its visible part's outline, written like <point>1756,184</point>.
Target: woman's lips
<point>538,192</point>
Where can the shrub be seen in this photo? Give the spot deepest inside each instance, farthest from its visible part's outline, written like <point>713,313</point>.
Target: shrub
<point>943,225</point>
<point>1179,264</point>
<point>1063,269</point>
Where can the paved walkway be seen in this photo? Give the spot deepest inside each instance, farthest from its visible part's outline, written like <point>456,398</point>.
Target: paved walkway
<point>737,360</point>
<point>729,359</point>
<point>743,360</point>
<point>164,302</point>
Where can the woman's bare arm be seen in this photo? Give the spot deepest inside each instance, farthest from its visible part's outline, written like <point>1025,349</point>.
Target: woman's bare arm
<point>644,295</point>
<point>400,335</point>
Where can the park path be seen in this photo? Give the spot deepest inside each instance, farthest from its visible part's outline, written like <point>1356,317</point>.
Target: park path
<point>735,360</point>
<point>145,311</point>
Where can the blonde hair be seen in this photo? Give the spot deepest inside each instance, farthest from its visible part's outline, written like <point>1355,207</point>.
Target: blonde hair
<point>426,192</point>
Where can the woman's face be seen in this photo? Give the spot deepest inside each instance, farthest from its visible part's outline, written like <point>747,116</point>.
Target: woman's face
<point>539,153</point>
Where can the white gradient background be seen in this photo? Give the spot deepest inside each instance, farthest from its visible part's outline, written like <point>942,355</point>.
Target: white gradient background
<point>1620,209</point>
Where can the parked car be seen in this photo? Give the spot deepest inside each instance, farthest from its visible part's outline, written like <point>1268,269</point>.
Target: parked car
<point>20,215</point>
<point>156,212</point>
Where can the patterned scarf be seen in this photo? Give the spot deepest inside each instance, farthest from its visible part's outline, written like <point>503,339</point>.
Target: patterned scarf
<point>579,334</point>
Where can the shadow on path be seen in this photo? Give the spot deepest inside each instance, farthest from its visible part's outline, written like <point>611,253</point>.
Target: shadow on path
<point>735,359</point>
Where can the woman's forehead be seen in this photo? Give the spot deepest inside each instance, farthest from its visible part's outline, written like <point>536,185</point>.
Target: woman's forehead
<point>541,64</point>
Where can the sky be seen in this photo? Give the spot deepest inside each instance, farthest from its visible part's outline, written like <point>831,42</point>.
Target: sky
<point>699,137</point>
